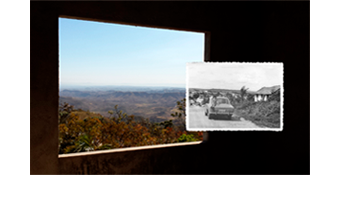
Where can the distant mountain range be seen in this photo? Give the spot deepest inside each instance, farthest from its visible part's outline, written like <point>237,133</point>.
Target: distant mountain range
<point>220,90</point>
<point>156,105</point>
<point>123,88</point>
<point>263,90</point>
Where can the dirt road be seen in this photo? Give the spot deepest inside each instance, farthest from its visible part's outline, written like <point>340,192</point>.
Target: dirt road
<point>198,120</point>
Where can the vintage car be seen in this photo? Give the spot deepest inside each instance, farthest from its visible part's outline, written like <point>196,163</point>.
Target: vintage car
<point>221,107</point>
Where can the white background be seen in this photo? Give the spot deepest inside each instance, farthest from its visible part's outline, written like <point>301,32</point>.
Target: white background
<point>319,194</point>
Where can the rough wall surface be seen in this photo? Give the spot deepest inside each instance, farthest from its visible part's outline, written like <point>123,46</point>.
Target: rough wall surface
<point>170,160</point>
<point>241,32</point>
<point>43,90</point>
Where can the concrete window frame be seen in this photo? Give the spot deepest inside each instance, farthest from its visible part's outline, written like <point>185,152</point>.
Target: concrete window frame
<point>97,154</point>
<point>44,95</point>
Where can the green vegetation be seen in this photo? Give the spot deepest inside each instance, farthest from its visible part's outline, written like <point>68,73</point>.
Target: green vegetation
<point>263,113</point>
<point>81,131</point>
<point>187,138</point>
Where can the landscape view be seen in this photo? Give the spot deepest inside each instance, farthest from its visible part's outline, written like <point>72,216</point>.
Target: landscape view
<point>123,86</point>
<point>155,103</point>
<point>98,120</point>
<point>234,96</point>
<point>251,109</point>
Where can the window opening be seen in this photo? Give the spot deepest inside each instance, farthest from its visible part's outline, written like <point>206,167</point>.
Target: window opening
<point>123,86</point>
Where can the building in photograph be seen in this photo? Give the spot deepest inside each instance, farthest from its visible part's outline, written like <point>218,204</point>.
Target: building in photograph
<point>264,93</point>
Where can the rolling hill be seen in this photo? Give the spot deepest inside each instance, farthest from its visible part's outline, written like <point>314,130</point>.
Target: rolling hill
<point>220,90</point>
<point>157,105</point>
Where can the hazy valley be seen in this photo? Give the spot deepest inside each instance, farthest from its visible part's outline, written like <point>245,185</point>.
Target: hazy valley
<point>157,104</point>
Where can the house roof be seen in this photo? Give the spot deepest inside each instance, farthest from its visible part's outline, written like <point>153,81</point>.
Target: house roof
<point>268,90</point>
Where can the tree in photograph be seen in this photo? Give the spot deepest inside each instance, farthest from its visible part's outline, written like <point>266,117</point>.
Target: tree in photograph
<point>243,93</point>
<point>195,96</point>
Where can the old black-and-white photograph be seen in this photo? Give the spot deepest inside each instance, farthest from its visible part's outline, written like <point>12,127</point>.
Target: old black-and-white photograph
<point>234,96</point>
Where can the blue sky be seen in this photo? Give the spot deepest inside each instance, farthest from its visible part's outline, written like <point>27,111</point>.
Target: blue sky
<point>95,53</point>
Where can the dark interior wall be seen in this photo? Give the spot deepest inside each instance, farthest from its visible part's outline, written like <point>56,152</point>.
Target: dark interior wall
<point>170,15</point>
<point>280,34</point>
<point>268,32</point>
<point>43,89</point>
<point>168,160</point>
<point>241,32</point>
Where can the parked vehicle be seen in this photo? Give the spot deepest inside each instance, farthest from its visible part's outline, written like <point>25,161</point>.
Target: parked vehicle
<point>219,106</point>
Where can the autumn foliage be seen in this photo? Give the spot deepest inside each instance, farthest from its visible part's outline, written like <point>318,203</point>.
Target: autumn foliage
<point>118,130</point>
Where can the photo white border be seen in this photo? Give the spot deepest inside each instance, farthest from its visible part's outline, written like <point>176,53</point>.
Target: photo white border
<point>234,129</point>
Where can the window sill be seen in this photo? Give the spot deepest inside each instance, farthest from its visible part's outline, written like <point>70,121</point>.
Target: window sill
<point>128,149</point>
